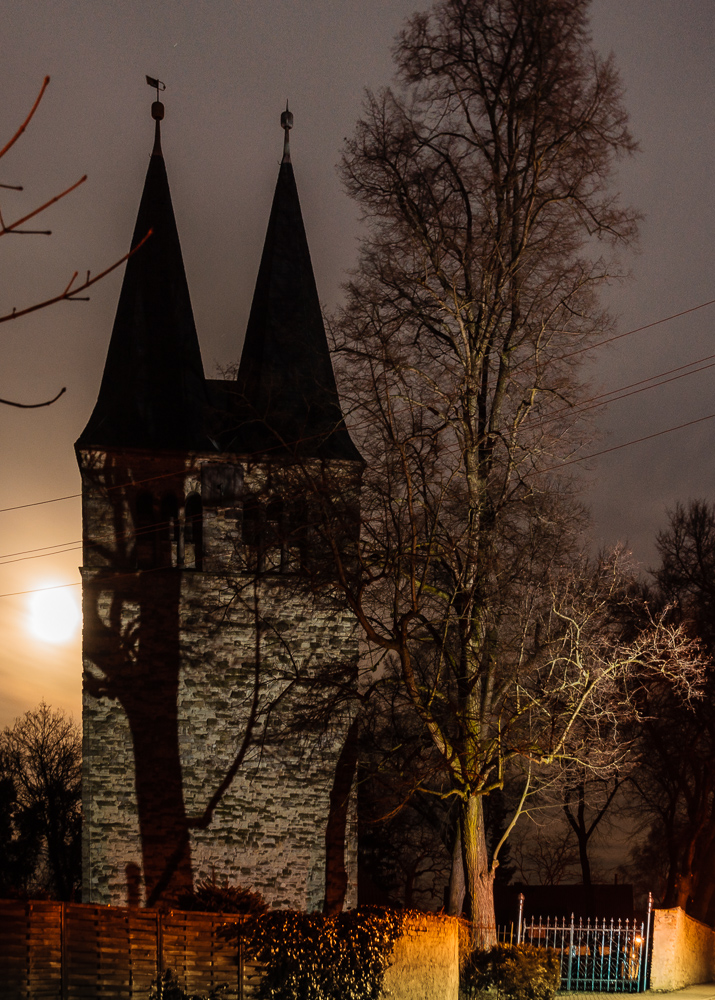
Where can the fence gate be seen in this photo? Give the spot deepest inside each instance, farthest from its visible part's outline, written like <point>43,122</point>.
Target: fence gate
<point>606,957</point>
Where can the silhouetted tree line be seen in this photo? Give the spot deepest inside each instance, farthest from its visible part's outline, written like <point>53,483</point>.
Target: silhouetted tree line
<point>675,777</point>
<point>40,806</point>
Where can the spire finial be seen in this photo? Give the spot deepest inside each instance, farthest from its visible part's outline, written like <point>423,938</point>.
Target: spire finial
<point>157,113</point>
<point>286,125</point>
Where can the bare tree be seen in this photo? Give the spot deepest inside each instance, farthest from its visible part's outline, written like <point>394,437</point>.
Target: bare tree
<point>586,804</point>
<point>485,183</point>
<point>42,757</point>
<point>545,856</point>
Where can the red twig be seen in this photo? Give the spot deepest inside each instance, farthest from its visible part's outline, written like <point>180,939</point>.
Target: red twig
<point>24,125</point>
<point>18,222</point>
<point>69,294</point>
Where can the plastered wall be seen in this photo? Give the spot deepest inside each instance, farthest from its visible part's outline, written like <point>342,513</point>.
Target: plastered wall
<point>425,960</point>
<point>683,951</point>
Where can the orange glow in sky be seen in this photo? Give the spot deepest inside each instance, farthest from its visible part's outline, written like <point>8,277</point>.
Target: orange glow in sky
<point>40,631</point>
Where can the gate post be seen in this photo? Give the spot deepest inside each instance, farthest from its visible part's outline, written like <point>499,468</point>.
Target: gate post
<point>568,974</point>
<point>521,916</point>
<point>646,946</point>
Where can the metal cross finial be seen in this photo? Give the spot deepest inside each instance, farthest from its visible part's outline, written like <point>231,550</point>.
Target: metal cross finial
<point>286,125</point>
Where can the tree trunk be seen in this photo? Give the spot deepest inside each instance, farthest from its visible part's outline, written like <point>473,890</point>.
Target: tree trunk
<point>683,887</point>
<point>455,904</point>
<point>479,880</point>
<point>336,876</point>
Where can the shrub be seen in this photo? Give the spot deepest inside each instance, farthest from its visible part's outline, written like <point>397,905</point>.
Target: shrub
<point>210,897</point>
<point>308,956</point>
<point>519,972</point>
<point>166,987</point>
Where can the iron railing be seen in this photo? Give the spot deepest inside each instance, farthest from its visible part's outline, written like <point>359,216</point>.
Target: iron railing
<point>601,957</point>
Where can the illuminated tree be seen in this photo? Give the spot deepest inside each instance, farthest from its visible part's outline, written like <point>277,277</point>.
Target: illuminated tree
<point>484,181</point>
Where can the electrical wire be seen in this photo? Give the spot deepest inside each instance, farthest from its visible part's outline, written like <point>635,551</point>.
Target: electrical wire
<point>618,394</point>
<point>626,444</point>
<point>76,496</point>
<point>638,329</point>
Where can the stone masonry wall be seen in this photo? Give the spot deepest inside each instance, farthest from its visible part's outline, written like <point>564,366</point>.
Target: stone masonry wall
<point>683,951</point>
<point>182,668</point>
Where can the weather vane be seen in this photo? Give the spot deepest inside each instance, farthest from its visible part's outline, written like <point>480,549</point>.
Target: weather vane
<point>157,108</point>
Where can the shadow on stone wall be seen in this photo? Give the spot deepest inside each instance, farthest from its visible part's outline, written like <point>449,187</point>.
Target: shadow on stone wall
<point>131,635</point>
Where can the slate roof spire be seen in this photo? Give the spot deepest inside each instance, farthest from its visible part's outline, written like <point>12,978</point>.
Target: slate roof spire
<point>153,393</point>
<point>285,380</point>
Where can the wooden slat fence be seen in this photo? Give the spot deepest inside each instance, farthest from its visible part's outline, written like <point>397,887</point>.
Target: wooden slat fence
<point>74,951</point>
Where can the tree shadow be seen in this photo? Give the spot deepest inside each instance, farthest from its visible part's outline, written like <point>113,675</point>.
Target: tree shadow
<point>131,638</point>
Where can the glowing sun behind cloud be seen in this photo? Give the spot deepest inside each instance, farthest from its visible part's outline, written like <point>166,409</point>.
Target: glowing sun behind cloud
<point>54,615</point>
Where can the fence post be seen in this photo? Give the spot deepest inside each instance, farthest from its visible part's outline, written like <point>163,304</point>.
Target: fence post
<point>159,948</point>
<point>63,951</point>
<point>568,974</point>
<point>521,916</point>
<point>240,962</point>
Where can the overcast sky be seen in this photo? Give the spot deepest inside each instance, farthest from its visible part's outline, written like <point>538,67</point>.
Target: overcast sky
<point>229,66</point>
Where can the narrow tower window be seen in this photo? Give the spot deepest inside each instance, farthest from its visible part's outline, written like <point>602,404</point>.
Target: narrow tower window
<point>275,537</point>
<point>253,532</point>
<point>145,525</point>
<point>169,532</point>
<point>193,532</point>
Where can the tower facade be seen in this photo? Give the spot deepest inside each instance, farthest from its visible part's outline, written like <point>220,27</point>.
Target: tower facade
<point>219,658</point>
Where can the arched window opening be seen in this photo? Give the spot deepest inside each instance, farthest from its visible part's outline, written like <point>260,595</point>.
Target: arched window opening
<point>145,525</point>
<point>169,533</point>
<point>193,532</point>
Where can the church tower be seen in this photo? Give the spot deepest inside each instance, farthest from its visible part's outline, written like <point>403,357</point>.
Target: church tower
<point>219,658</point>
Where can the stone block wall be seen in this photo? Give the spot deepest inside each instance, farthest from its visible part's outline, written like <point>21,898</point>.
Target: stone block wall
<point>683,951</point>
<point>192,674</point>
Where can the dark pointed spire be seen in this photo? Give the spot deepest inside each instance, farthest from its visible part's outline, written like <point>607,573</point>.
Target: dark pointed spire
<point>285,379</point>
<point>153,393</point>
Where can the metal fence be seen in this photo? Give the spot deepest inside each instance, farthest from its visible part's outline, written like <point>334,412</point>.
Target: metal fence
<point>601,957</point>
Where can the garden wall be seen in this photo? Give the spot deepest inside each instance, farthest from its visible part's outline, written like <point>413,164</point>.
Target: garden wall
<point>425,960</point>
<point>683,951</point>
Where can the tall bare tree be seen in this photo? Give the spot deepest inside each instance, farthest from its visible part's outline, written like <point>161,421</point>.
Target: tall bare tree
<point>484,180</point>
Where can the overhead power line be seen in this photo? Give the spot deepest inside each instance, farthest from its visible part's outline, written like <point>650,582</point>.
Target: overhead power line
<point>77,496</point>
<point>638,329</point>
<point>626,444</point>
